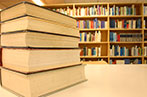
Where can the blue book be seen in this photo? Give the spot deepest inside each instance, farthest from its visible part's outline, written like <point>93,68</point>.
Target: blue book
<point>125,24</point>
<point>121,54</point>
<point>127,61</point>
<point>85,37</point>
<point>102,24</point>
<point>139,61</point>
<point>80,36</point>
<point>112,23</point>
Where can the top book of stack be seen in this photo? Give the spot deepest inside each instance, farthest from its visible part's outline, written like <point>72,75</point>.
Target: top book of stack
<point>26,8</point>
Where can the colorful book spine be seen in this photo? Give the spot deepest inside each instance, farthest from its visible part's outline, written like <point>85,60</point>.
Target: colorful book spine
<point>122,10</point>
<point>91,51</point>
<point>116,50</point>
<point>128,24</point>
<point>126,61</point>
<point>125,37</point>
<point>90,11</point>
<point>66,11</point>
<point>91,24</point>
<point>90,36</point>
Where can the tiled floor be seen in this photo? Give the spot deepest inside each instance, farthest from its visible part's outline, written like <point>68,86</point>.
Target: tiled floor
<point>106,81</point>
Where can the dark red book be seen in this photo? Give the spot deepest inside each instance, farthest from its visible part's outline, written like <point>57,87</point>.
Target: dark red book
<point>81,53</point>
<point>122,23</point>
<point>118,37</point>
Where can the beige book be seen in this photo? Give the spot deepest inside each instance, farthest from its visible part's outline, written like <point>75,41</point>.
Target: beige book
<point>120,61</point>
<point>26,8</point>
<point>41,40</point>
<point>42,83</point>
<point>32,60</point>
<point>37,24</point>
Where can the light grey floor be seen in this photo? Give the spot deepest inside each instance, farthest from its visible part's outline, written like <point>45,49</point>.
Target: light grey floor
<point>106,81</point>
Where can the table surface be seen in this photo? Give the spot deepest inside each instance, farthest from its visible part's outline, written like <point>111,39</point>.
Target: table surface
<point>106,81</point>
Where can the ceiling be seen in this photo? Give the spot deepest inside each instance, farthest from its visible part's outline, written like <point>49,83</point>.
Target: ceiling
<point>6,3</point>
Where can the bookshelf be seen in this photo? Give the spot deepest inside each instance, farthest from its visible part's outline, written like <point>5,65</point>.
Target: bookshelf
<point>124,12</point>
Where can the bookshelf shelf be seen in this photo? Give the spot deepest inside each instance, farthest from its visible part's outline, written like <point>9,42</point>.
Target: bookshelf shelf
<point>93,29</point>
<point>93,56</point>
<point>93,42</point>
<point>105,43</point>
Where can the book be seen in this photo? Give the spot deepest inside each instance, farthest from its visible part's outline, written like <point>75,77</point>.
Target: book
<point>48,81</point>
<point>117,50</point>
<point>36,39</point>
<point>128,24</point>
<point>27,8</point>
<point>66,11</point>
<point>125,61</point>
<point>122,10</point>
<point>91,10</point>
<point>125,37</point>
<point>91,51</point>
<point>32,60</point>
<point>91,24</point>
<point>90,36</point>
<point>36,24</point>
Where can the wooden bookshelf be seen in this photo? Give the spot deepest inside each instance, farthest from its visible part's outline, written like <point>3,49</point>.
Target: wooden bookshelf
<point>105,43</point>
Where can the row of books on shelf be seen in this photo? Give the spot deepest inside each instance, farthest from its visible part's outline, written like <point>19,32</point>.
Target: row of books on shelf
<point>67,11</point>
<point>90,37</point>
<point>90,11</point>
<point>91,24</point>
<point>122,10</point>
<point>90,51</point>
<point>116,50</point>
<point>145,10</point>
<point>125,37</point>
<point>125,23</point>
<point>145,36</point>
<point>126,61</point>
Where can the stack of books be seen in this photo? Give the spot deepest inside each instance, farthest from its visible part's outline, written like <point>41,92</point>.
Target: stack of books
<point>125,37</point>
<point>116,50</point>
<point>90,36</point>
<point>40,49</point>
<point>123,10</point>
<point>90,11</point>
<point>91,51</point>
<point>91,24</point>
<point>129,24</point>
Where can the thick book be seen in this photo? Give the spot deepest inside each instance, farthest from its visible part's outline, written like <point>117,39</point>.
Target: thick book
<point>26,8</point>
<point>36,24</point>
<point>32,60</point>
<point>42,83</point>
<point>30,38</point>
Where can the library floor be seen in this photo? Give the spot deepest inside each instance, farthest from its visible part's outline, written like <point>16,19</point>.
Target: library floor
<point>106,81</point>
